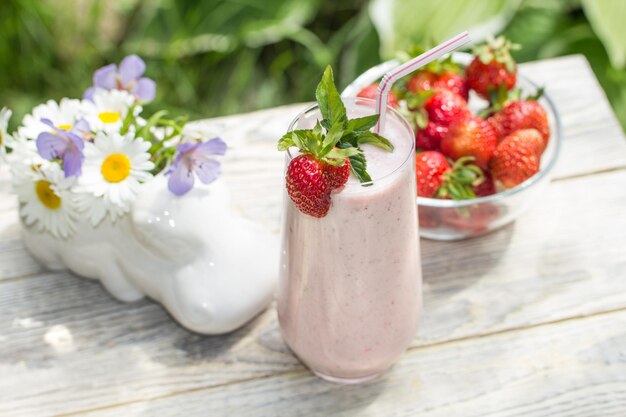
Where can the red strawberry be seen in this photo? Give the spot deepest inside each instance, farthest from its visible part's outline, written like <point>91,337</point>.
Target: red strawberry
<point>453,82</point>
<point>421,81</point>
<point>445,107</point>
<point>492,67</point>
<point>497,121</point>
<point>438,111</point>
<point>474,219</point>
<point>470,137</point>
<point>338,174</point>
<point>430,137</point>
<point>516,158</point>
<point>486,187</point>
<point>372,90</point>
<point>430,167</point>
<point>522,114</point>
<point>436,178</point>
<point>307,185</point>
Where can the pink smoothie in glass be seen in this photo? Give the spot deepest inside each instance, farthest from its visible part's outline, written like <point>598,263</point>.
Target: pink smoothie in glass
<point>349,298</point>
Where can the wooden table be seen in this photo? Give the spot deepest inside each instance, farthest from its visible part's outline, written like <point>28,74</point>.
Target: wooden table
<point>526,321</point>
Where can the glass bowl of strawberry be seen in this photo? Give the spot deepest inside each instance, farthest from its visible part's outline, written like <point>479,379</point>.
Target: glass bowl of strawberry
<point>487,138</point>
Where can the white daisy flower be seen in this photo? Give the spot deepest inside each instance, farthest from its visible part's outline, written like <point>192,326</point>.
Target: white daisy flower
<point>62,114</point>
<point>5,138</point>
<point>95,209</point>
<point>25,160</point>
<point>114,167</point>
<point>46,201</point>
<point>108,109</point>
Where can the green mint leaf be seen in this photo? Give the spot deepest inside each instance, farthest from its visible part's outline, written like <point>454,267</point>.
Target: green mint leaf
<point>286,141</point>
<point>313,142</point>
<point>297,138</point>
<point>318,129</point>
<point>362,124</point>
<point>329,101</point>
<point>333,136</point>
<point>342,154</point>
<point>358,166</point>
<point>349,139</point>
<point>374,139</point>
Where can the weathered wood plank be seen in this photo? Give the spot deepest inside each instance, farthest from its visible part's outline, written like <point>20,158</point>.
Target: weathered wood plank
<point>555,263</point>
<point>574,368</point>
<point>66,344</point>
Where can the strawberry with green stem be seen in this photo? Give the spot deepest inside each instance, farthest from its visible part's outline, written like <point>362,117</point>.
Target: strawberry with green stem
<point>492,67</point>
<point>328,152</point>
<point>436,178</point>
<point>510,112</point>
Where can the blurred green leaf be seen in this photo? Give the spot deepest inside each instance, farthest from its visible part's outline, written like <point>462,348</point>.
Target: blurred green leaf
<point>607,18</point>
<point>401,23</point>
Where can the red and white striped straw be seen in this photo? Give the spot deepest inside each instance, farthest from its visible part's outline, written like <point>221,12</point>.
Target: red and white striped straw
<point>408,67</point>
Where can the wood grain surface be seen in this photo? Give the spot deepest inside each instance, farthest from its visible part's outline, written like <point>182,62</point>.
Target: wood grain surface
<point>528,320</point>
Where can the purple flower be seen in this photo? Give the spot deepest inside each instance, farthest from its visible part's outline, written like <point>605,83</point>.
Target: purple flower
<point>127,77</point>
<point>194,159</point>
<point>65,145</point>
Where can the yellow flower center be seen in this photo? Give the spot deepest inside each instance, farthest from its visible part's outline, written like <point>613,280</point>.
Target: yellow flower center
<point>67,128</point>
<point>109,116</point>
<point>46,195</point>
<point>116,167</point>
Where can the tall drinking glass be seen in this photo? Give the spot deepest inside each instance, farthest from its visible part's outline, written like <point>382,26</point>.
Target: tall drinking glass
<point>350,297</point>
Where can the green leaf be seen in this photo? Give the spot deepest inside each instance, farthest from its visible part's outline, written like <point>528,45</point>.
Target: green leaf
<point>333,136</point>
<point>329,101</point>
<point>145,130</point>
<point>297,138</point>
<point>348,139</point>
<point>458,183</point>
<point>342,154</point>
<point>358,166</point>
<point>286,141</point>
<point>361,124</point>
<point>421,119</point>
<point>374,139</point>
<point>607,19</point>
<point>317,130</point>
<point>399,23</point>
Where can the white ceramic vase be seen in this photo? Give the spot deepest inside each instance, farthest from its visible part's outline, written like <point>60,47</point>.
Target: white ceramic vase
<point>212,269</point>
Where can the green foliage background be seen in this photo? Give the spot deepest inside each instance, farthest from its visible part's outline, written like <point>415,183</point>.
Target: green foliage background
<point>217,57</point>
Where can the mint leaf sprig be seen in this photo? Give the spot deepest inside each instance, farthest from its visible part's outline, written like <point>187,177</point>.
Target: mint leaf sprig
<point>336,137</point>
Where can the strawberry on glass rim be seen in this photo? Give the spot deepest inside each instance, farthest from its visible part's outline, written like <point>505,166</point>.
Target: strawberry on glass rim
<point>329,152</point>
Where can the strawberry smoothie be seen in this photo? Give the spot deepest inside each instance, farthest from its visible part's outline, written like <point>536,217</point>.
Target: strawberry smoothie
<point>349,298</point>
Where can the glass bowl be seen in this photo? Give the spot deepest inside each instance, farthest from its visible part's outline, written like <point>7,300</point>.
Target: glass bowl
<point>453,220</point>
